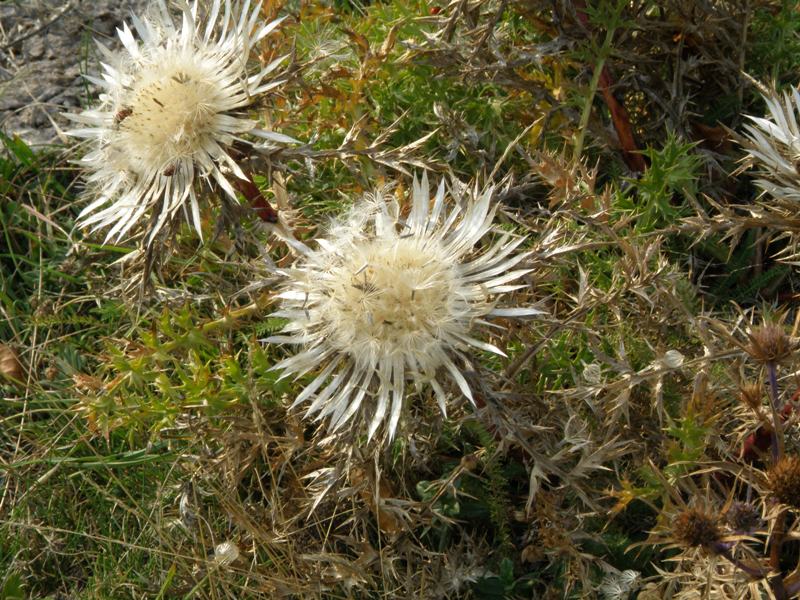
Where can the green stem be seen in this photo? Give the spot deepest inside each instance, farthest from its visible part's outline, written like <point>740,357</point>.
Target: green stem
<point>228,321</point>
<point>587,106</point>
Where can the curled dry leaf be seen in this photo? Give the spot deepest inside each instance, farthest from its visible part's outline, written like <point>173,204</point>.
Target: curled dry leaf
<point>10,367</point>
<point>388,521</point>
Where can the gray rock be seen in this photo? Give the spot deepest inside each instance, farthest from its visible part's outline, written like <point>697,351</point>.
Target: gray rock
<point>33,48</point>
<point>45,45</point>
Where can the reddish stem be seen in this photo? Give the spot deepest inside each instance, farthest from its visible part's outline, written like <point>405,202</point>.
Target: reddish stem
<point>250,191</point>
<point>622,124</point>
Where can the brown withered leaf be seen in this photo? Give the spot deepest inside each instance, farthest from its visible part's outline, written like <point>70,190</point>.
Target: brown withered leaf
<point>569,182</point>
<point>389,42</point>
<point>388,522</point>
<point>87,383</point>
<point>10,366</point>
<point>361,42</point>
<point>716,138</point>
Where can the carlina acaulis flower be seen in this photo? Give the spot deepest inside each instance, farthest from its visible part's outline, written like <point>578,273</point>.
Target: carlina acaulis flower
<point>695,527</point>
<point>774,143</point>
<point>170,110</point>
<point>387,298</point>
<point>783,480</point>
<point>769,343</point>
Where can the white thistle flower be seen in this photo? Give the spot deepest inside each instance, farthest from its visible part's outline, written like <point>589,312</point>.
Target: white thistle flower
<point>619,585</point>
<point>386,299</point>
<point>226,553</point>
<point>775,145</point>
<point>169,112</point>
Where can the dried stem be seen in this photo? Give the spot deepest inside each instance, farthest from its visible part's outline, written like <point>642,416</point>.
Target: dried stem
<point>777,423</point>
<point>775,541</point>
<point>755,572</point>
<point>775,544</point>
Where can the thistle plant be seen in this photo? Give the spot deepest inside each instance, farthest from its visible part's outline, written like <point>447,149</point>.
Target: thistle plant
<point>621,410</point>
<point>387,297</point>
<point>170,112</point>
<point>751,530</point>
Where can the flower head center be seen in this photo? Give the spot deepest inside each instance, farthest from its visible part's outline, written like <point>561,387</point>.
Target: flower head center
<point>393,296</point>
<point>169,114</point>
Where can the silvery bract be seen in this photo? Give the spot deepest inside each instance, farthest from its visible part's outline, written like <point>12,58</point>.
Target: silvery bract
<point>169,111</point>
<point>775,145</point>
<point>386,299</point>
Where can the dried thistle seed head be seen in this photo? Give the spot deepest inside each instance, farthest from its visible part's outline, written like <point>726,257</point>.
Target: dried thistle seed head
<point>743,517</point>
<point>783,480</point>
<point>696,528</point>
<point>752,394</point>
<point>769,343</point>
